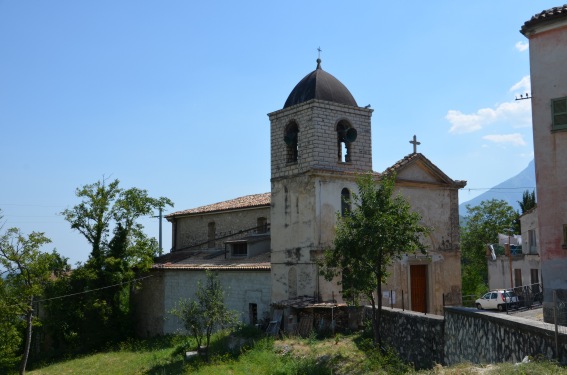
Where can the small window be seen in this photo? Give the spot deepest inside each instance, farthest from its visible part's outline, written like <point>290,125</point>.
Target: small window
<point>517,277</point>
<point>291,136</point>
<point>240,249</point>
<point>212,234</point>
<point>345,202</point>
<point>532,248</point>
<point>253,313</point>
<point>559,109</point>
<point>261,225</point>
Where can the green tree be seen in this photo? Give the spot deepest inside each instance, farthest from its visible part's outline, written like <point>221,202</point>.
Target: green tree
<point>108,217</point>
<point>528,201</point>
<point>10,332</point>
<point>207,313</point>
<point>106,205</point>
<point>483,223</point>
<point>28,271</point>
<point>380,228</point>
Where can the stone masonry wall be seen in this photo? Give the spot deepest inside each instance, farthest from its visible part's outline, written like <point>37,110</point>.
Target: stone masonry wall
<point>317,138</point>
<point>467,335</point>
<point>193,230</point>
<point>486,337</point>
<point>418,338</point>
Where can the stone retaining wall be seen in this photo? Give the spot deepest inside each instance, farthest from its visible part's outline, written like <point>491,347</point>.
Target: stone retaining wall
<point>418,338</point>
<point>488,337</point>
<point>467,335</point>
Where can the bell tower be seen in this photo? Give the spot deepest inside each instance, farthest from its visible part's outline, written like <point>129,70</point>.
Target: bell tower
<point>320,141</point>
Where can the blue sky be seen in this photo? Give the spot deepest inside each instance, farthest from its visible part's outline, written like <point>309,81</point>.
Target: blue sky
<point>172,96</point>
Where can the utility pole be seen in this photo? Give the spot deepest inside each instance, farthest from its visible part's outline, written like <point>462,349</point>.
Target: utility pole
<point>160,217</point>
<point>510,257</point>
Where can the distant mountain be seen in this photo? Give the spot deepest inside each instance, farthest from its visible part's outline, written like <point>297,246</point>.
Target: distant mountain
<point>510,190</point>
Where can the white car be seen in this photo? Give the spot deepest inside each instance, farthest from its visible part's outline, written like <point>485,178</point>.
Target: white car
<point>497,299</point>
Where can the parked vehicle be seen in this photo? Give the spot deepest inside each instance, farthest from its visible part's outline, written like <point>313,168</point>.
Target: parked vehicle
<point>497,299</point>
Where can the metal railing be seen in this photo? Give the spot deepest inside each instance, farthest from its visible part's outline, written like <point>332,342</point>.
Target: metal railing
<point>529,296</point>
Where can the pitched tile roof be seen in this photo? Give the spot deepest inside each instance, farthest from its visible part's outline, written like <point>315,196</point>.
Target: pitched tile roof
<point>418,156</point>
<point>403,162</point>
<point>248,201</point>
<point>211,260</point>
<point>547,15</point>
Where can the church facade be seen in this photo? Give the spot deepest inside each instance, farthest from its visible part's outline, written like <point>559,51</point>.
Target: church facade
<point>320,142</point>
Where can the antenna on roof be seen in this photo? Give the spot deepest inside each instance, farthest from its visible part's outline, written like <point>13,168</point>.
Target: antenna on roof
<point>522,97</point>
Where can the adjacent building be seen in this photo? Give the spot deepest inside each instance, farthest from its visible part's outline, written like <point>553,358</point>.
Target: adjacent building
<point>521,266</point>
<point>547,34</point>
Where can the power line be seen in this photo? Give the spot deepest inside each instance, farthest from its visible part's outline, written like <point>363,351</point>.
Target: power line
<point>503,188</point>
<point>92,290</point>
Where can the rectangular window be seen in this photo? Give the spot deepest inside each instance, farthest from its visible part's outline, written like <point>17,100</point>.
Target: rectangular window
<point>532,248</point>
<point>261,225</point>
<point>517,277</point>
<point>240,249</point>
<point>253,313</point>
<point>559,110</point>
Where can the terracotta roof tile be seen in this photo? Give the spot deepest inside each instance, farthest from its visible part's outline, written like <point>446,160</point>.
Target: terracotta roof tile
<point>545,16</point>
<point>248,201</point>
<point>211,260</point>
<point>400,163</point>
<point>418,156</point>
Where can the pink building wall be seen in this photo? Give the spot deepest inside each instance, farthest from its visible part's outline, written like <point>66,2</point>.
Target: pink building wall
<point>547,34</point>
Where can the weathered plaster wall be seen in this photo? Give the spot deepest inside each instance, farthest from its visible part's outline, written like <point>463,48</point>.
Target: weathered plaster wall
<point>529,222</point>
<point>147,302</point>
<point>442,281</point>
<point>548,72</point>
<point>168,287</point>
<point>499,270</point>
<point>438,207</point>
<point>304,213</point>
<point>193,230</point>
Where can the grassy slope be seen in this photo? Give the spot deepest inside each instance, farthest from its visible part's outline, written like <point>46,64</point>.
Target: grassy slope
<point>345,355</point>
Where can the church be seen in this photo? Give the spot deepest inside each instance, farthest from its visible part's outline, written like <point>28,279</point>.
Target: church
<point>264,247</point>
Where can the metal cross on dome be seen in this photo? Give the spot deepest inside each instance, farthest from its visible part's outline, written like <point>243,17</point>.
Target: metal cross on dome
<point>415,143</point>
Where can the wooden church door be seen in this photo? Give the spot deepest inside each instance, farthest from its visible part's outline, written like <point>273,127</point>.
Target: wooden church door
<point>418,277</point>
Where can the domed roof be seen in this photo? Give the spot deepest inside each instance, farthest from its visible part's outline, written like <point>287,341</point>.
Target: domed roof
<point>322,86</point>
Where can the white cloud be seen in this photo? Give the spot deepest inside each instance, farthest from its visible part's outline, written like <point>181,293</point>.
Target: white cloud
<point>515,139</point>
<point>518,112</point>
<point>522,46</point>
<point>524,85</point>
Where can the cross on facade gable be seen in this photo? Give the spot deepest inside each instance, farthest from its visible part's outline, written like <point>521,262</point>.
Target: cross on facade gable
<point>414,143</point>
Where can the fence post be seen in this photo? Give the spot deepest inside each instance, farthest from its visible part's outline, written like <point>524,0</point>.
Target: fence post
<point>555,321</point>
<point>403,303</point>
<point>391,301</point>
